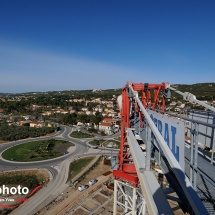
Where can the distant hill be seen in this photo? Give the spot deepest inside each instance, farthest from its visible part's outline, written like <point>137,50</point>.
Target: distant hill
<point>203,91</point>
<point>67,94</point>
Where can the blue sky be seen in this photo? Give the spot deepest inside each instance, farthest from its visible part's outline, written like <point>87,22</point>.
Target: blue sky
<point>101,44</point>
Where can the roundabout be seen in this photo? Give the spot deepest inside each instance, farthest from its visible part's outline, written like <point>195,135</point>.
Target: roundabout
<point>37,150</point>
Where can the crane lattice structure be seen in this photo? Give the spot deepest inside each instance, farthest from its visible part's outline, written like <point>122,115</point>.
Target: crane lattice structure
<point>136,189</point>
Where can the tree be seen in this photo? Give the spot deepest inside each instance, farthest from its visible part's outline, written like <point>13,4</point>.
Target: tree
<point>96,119</point>
<point>83,118</point>
<point>69,118</point>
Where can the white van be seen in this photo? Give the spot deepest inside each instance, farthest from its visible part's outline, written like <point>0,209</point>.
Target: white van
<point>93,181</point>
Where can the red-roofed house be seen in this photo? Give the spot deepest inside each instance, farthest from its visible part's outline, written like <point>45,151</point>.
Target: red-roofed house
<point>24,122</point>
<point>107,127</point>
<point>110,120</point>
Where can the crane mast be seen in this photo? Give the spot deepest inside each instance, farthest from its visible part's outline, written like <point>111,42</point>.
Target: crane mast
<point>136,187</point>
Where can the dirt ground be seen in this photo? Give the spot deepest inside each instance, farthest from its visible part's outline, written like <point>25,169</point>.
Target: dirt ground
<point>71,195</point>
<point>3,141</point>
<point>62,148</point>
<point>97,199</point>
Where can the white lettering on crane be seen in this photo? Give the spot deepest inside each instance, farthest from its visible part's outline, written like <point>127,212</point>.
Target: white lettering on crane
<point>172,131</point>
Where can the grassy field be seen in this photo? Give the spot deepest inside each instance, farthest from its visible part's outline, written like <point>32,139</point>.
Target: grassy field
<point>96,142</point>
<point>76,166</point>
<point>79,134</point>
<point>37,150</point>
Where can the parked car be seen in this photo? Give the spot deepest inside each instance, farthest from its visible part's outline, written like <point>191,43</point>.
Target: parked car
<point>93,181</point>
<point>83,187</point>
<point>74,184</point>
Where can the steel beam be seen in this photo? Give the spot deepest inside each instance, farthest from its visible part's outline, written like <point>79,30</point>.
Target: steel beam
<point>155,199</point>
<point>192,197</point>
<point>128,199</point>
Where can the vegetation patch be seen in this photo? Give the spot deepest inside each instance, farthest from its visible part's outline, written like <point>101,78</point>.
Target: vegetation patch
<point>78,165</point>
<point>79,134</point>
<point>92,130</point>
<point>29,178</point>
<point>82,176</point>
<point>102,133</point>
<point>37,150</point>
<point>96,142</point>
<point>13,132</point>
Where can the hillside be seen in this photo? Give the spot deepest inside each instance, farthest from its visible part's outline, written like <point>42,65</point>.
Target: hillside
<point>202,91</point>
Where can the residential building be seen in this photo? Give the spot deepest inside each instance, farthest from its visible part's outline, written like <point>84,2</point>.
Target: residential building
<point>34,124</point>
<point>107,127</point>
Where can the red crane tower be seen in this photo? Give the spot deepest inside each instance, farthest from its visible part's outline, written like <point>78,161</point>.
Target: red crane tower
<point>135,185</point>
<point>150,97</point>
